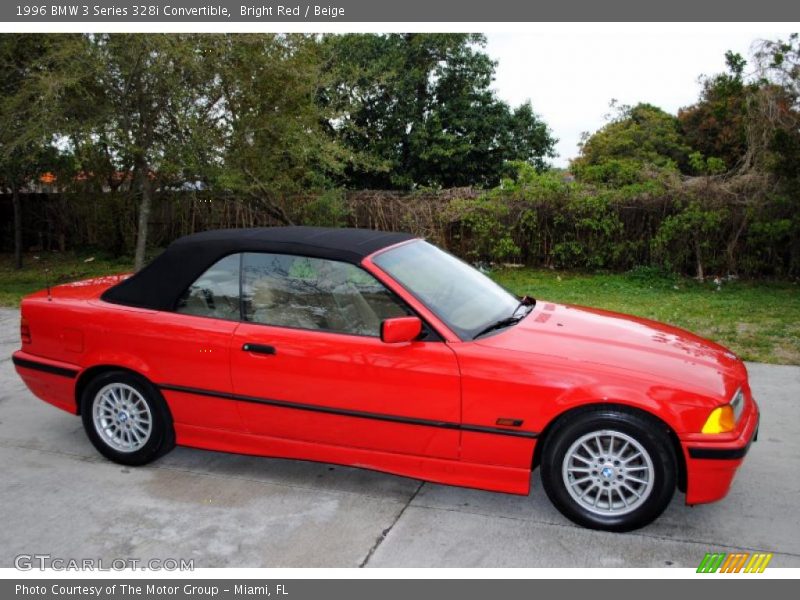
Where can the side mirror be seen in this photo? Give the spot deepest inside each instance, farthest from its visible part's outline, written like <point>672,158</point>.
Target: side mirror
<point>400,329</point>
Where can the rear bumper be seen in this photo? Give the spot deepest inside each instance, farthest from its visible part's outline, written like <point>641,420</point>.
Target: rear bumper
<point>711,466</point>
<point>50,380</point>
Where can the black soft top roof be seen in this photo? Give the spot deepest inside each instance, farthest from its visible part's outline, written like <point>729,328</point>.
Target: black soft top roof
<point>160,283</point>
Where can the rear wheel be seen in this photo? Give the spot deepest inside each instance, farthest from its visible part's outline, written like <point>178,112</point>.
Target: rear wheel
<point>609,468</point>
<point>126,418</point>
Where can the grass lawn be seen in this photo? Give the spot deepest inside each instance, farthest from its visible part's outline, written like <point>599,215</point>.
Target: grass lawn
<point>759,320</point>
<point>55,268</point>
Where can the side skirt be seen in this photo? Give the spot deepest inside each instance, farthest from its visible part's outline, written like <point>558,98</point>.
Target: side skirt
<point>451,472</point>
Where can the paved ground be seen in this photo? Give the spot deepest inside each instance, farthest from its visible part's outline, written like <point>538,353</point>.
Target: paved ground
<point>58,496</point>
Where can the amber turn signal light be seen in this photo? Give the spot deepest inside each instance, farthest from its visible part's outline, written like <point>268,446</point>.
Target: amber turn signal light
<point>721,420</point>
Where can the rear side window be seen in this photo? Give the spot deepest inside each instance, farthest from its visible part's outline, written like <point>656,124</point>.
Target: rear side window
<point>215,293</point>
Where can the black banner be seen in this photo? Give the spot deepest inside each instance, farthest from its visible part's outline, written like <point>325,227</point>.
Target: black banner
<point>385,589</point>
<point>354,11</point>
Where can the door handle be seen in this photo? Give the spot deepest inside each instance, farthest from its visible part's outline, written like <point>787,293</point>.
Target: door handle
<point>258,348</point>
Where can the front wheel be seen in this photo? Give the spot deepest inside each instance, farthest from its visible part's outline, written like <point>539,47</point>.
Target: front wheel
<point>126,418</point>
<point>609,469</point>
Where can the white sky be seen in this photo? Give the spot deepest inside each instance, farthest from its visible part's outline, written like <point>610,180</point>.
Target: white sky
<point>571,73</point>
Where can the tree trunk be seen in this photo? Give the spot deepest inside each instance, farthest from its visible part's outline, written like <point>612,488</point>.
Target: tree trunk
<point>732,243</point>
<point>144,217</point>
<point>700,274</point>
<point>17,228</point>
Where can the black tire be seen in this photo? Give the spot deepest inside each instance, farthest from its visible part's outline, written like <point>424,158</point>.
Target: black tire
<point>650,434</point>
<point>162,434</point>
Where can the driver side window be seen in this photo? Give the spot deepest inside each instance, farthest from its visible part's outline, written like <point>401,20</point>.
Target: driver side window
<point>313,293</point>
<point>215,293</point>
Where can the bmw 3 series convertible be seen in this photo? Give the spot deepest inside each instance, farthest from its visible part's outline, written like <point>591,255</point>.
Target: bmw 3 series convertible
<point>381,351</point>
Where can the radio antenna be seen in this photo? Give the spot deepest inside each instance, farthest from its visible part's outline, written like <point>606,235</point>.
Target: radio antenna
<point>46,279</point>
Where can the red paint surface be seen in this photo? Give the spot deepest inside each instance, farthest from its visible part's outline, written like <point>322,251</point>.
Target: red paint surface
<point>557,359</point>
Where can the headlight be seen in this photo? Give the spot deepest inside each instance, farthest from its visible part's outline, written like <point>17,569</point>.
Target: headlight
<point>738,404</point>
<point>723,418</point>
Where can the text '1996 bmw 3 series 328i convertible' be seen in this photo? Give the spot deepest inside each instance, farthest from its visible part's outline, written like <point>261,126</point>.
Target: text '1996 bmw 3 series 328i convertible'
<point>380,350</point>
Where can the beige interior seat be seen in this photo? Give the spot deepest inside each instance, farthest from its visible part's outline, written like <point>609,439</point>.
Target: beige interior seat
<point>349,311</point>
<point>268,305</point>
<point>358,315</point>
<point>326,301</point>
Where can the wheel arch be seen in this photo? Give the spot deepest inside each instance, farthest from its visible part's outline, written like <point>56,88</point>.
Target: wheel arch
<point>87,375</point>
<point>576,410</point>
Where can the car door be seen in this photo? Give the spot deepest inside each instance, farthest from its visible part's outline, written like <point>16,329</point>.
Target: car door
<point>310,363</point>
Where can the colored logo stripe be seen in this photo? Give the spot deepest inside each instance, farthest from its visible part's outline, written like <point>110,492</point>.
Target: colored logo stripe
<point>758,563</point>
<point>734,563</point>
<point>711,562</point>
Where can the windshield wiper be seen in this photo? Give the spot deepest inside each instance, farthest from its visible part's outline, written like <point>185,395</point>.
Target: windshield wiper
<point>507,322</point>
<point>511,320</point>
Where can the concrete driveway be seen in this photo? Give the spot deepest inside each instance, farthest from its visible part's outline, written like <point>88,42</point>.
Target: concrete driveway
<point>58,496</point>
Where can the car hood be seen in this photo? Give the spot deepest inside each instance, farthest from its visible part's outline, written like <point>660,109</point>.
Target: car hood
<point>652,349</point>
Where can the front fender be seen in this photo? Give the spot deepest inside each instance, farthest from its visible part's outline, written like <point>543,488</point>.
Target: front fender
<point>657,401</point>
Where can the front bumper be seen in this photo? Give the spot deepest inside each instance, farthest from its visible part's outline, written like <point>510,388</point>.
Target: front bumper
<point>712,465</point>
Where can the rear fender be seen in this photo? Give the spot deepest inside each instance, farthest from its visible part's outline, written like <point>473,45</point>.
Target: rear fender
<point>109,361</point>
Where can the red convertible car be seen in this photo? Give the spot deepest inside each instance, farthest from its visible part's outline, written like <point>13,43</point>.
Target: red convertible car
<point>379,350</point>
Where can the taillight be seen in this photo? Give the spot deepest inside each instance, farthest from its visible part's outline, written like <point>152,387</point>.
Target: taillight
<point>24,331</point>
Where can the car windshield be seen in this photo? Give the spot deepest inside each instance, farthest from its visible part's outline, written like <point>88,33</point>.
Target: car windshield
<point>462,297</point>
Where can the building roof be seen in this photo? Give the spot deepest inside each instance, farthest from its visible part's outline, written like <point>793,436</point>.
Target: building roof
<point>160,284</point>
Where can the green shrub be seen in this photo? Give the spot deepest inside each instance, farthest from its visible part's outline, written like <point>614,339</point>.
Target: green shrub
<point>694,233</point>
<point>484,222</point>
<point>328,209</point>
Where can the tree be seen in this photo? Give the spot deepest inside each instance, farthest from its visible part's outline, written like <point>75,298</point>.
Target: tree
<point>155,111</point>
<point>775,129</point>
<point>716,126</point>
<point>778,61</point>
<point>751,124</point>
<point>636,139</point>
<point>417,110</point>
<point>26,126</point>
<point>530,139</point>
<point>274,141</point>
